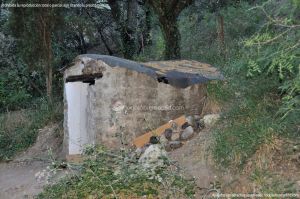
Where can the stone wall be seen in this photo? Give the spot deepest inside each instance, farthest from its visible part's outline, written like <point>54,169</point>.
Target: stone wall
<point>124,104</point>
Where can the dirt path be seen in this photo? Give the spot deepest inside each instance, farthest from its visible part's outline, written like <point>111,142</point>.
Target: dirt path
<point>193,158</point>
<point>19,178</point>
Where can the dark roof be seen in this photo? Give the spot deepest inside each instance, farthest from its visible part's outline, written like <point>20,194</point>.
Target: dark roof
<point>178,73</point>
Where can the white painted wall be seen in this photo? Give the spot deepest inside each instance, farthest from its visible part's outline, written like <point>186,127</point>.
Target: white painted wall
<point>76,94</point>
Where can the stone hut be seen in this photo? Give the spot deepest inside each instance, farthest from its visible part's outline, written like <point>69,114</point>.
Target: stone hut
<point>111,101</point>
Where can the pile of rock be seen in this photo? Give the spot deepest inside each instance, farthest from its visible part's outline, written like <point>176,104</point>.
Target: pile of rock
<point>174,137</point>
<point>152,154</point>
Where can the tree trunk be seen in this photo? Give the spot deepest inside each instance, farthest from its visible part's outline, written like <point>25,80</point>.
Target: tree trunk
<point>129,36</point>
<point>83,46</point>
<point>100,29</point>
<point>221,35</point>
<point>48,53</point>
<point>50,70</point>
<point>128,42</point>
<point>147,33</point>
<point>109,50</point>
<point>167,12</point>
<point>49,83</point>
<point>145,37</point>
<point>127,27</point>
<point>171,36</point>
<point>0,6</point>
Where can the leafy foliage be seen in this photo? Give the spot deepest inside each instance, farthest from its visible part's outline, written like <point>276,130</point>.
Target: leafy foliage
<point>18,129</point>
<point>199,30</point>
<point>275,50</point>
<point>260,95</point>
<point>259,86</point>
<point>257,80</point>
<point>249,122</point>
<point>111,174</point>
<point>11,77</point>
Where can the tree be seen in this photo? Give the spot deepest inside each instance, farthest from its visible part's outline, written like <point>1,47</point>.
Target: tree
<point>125,17</point>
<point>274,50</point>
<point>168,12</point>
<point>102,22</point>
<point>145,26</point>
<point>34,28</point>
<point>215,6</point>
<point>0,7</point>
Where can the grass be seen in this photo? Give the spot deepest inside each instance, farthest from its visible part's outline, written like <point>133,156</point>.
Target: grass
<point>250,121</point>
<point>108,174</point>
<point>19,129</point>
<point>250,105</point>
<point>271,183</point>
<point>249,116</point>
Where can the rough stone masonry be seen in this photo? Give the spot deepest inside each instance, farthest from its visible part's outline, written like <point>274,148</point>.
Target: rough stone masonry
<point>110,101</point>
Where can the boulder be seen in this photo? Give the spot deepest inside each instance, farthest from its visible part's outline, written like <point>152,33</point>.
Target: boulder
<point>187,133</point>
<point>174,125</point>
<point>199,125</point>
<point>154,140</point>
<point>185,125</point>
<point>136,154</point>
<point>173,145</point>
<point>197,117</point>
<point>153,156</point>
<point>190,120</point>
<point>163,140</point>
<point>210,120</point>
<point>168,134</point>
<point>175,136</point>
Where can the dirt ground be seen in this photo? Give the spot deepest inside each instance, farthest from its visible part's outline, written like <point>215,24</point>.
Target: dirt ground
<point>23,177</point>
<point>193,157</point>
<point>20,178</point>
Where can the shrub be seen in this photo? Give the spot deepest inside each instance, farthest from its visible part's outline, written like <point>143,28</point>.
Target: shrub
<point>274,50</point>
<point>19,129</point>
<point>108,174</point>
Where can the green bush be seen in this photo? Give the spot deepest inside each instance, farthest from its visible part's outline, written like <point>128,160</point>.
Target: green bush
<point>13,92</point>
<point>262,79</point>
<point>19,129</point>
<point>274,50</point>
<point>113,174</point>
<point>263,88</point>
<point>199,32</point>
